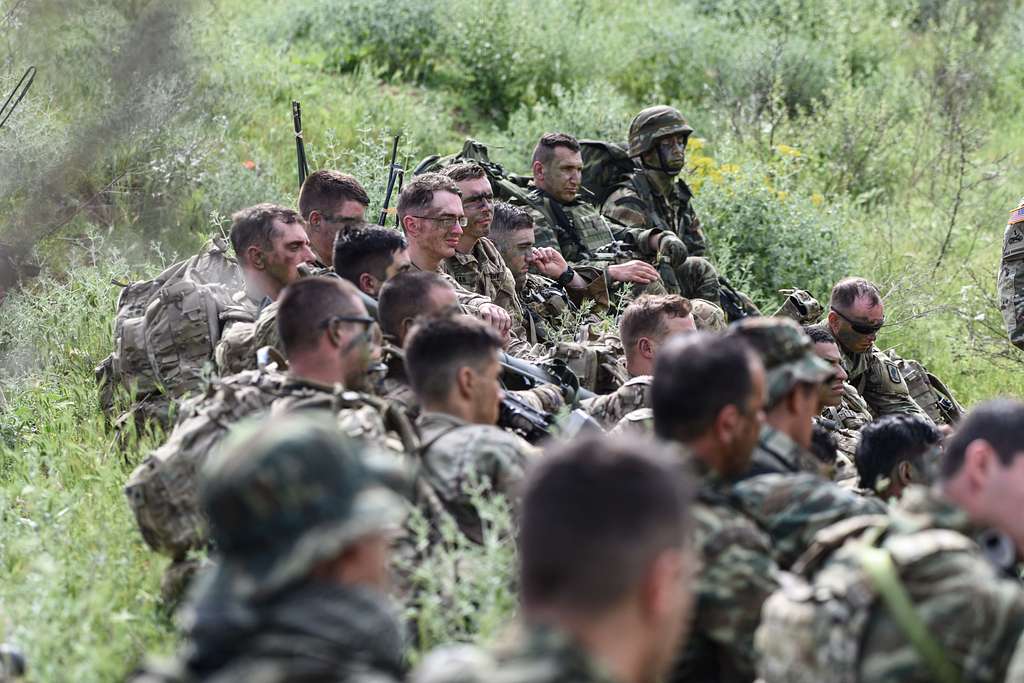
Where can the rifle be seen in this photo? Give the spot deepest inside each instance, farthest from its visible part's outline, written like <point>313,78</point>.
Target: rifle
<point>523,419</point>
<point>395,173</point>
<point>23,85</point>
<point>731,301</point>
<point>300,148</point>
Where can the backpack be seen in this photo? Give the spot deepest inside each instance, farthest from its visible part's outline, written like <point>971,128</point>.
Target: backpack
<point>606,165</point>
<point>928,391</point>
<point>166,329</point>
<point>506,186</point>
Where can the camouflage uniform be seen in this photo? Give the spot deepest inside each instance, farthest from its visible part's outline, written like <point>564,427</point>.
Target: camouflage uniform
<point>844,422</point>
<point>483,271</point>
<point>878,380</point>
<point>608,409</point>
<point>635,422</point>
<point>455,454</point>
<point>545,305</point>
<point>839,627</point>
<point>534,654</point>
<point>708,316</point>
<point>1010,283</point>
<point>281,500</point>
<point>777,452</point>
<point>737,575</point>
<point>236,350</point>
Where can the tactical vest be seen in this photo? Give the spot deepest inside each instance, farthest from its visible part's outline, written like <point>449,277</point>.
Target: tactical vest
<point>587,234</point>
<point>660,213</point>
<point>928,391</point>
<point>813,627</point>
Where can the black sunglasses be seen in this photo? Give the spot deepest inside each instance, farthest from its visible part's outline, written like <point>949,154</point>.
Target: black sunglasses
<point>349,319</point>
<point>860,328</point>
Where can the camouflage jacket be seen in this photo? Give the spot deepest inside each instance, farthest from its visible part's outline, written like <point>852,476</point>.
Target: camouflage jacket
<point>1010,283</point>
<point>316,631</point>
<point>777,452</point>
<point>638,202</point>
<point>236,350</point>
<point>544,305</point>
<point>456,456</point>
<point>534,654</point>
<point>162,491</point>
<point>838,627</point>
<point>844,422</point>
<point>468,299</point>
<point>878,380</point>
<point>635,422</point>
<point>608,409</point>
<point>483,271</point>
<point>737,575</point>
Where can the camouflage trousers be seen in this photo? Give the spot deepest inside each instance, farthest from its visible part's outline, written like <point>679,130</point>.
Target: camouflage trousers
<point>698,279</point>
<point>1011,299</point>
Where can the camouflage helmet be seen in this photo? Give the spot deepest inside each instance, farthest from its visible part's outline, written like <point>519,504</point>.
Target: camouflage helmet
<point>285,494</point>
<point>707,316</point>
<point>786,351</point>
<point>653,123</point>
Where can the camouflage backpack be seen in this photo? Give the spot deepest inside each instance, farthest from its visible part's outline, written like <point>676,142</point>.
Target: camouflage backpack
<point>824,607</point>
<point>606,165</point>
<point>506,186</point>
<point>166,329</point>
<point>928,391</point>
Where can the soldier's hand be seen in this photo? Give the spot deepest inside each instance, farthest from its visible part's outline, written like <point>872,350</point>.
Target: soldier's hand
<point>673,249</point>
<point>548,261</point>
<point>497,317</point>
<point>633,271</point>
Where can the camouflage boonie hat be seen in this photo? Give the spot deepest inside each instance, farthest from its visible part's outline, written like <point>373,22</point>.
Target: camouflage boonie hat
<point>653,123</point>
<point>286,494</point>
<point>708,317</point>
<point>786,351</point>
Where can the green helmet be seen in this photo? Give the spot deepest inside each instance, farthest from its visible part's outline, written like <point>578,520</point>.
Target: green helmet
<point>653,123</point>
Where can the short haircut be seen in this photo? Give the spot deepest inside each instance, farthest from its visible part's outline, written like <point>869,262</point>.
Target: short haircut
<point>467,170</point>
<point>846,292</point>
<point>368,249</point>
<point>823,445</point>
<point>596,513</point>
<point>324,189</point>
<point>255,226</point>
<point>819,334</point>
<point>438,346</point>
<point>306,304</point>
<point>544,152</point>
<point>508,218</point>
<point>646,315</point>
<point>406,295</point>
<point>696,376</point>
<point>1000,422</point>
<point>418,194</point>
<point>890,440</point>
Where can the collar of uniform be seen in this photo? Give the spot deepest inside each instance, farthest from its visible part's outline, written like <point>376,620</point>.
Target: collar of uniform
<point>431,418</point>
<point>544,644</point>
<point>775,452</point>
<point>295,380</point>
<point>856,364</point>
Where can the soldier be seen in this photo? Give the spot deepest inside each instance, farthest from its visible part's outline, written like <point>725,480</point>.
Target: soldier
<point>302,527</point>
<point>795,375</point>
<point>369,256</point>
<point>330,342</point>
<point>270,243</point>
<point>1010,283</point>
<point>645,326</point>
<point>655,197</point>
<point>605,572</point>
<point>707,395</point>
<point>579,232</point>
<point>332,204</point>
<point>896,451</point>
<point>477,264</point>
<point>452,362</point>
<point>855,316</point>
<point>922,594</point>
<point>431,214</point>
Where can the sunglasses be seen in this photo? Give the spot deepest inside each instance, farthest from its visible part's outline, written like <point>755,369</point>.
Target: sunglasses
<point>858,327</point>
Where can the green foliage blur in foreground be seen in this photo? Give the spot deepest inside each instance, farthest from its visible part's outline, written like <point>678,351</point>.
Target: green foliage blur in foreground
<point>879,138</point>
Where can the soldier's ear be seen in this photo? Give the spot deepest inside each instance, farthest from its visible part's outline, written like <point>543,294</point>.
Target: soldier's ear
<point>465,381</point>
<point>367,283</point>
<point>410,226</point>
<point>538,170</point>
<point>255,257</point>
<point>646,347</point>
<point>314,219</point>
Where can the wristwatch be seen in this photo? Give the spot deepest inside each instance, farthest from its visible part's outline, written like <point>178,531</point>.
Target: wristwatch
<point>565,278</point>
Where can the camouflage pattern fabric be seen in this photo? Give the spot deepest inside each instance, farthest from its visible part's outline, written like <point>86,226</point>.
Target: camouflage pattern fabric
<point>838,628</point>
<point>469,300</point>
<point>801,306</point>
<point>776,452</point>
<point>236,350</point>
<point>737,575</point>
<point>878,380</point>
<point>535,654</point>
<point>1010,283</point>
<point>456,454</point>
<point>844,423</point>
<point>787,353</point>
<point>792,508</point>
<point>708,316</point>
<point>483,271</point>
<point>635,422</point>
<point>610,408</point>
<point>545,305</point>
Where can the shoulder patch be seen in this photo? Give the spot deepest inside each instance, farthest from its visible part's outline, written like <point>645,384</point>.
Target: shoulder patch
<point>1017,215</point>
<point>894,373</point>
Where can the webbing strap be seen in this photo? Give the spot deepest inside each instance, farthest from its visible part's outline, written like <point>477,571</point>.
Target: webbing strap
<point>878,564</point>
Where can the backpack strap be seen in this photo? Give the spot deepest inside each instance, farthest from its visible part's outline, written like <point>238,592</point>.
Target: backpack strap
<point>881,570</point>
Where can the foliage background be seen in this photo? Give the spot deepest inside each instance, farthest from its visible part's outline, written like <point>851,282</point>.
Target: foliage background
<point>882,138</point>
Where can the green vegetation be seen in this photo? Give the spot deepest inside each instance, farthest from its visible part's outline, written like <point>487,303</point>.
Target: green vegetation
<point>880,138</point>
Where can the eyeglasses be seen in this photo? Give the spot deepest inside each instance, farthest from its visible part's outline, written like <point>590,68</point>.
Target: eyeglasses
<point>858,327</point>
<point>371,332</point>
<point>479,199</point>
<point>446,221</point>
